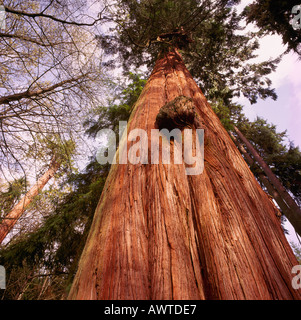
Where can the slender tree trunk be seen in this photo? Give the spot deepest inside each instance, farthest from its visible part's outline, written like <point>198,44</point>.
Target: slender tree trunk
<point>158,233</point>
<point>12,217</point>
<point>262,177</point>
<point>294,214</point>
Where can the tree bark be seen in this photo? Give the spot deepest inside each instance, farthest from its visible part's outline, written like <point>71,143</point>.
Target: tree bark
<point>294,214</point>
<point>12,217</point>
<point>158,233</point>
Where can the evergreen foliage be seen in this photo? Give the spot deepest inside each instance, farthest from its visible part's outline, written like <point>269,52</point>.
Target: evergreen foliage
<point>284,161</point>
<point>214,50</point>
<point>11,196</point>
<point>276,17</point>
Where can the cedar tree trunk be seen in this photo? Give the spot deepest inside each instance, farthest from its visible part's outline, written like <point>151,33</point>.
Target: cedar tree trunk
<point>12,217</point>
<point>158,233</point>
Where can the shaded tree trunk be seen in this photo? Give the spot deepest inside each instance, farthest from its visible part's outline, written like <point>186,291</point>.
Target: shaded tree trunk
<point>262,177</point>
<point>294,214</point>
<point>12,217</point>
<point>158,233</point>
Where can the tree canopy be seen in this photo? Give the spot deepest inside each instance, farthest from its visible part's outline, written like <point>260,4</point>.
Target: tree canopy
<point>217,53</point>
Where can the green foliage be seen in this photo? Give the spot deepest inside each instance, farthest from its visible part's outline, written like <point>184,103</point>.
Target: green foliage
<point>218,56</point>
<point>52,147</point>
<point>227,114</point>
<point>264,137</point>
<point>288,169</point>
<point>11,196</point>
<point>274,17</point>
<point>284,161</point>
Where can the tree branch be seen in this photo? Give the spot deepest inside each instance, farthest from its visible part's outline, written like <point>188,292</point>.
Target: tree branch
<point>41,14</point>
<point>30,94</point>
<point>12,36</point>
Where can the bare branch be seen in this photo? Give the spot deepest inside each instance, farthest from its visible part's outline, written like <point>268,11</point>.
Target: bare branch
<point>30,94</point>
<point>22,37</point>
<point>48,16</point>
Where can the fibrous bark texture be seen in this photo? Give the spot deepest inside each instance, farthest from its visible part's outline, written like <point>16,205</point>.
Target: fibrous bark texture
<point>161,234</point>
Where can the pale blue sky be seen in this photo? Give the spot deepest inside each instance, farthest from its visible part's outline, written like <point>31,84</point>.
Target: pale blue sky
<point>285,112</point>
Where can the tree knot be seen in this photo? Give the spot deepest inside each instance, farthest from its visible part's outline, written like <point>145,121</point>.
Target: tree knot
<point>178,113</point>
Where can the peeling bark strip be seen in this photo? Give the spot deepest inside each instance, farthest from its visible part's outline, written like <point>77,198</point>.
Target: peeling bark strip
<point>160,234</point>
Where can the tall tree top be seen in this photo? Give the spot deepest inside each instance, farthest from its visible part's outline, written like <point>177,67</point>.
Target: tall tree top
<point>208,34</point>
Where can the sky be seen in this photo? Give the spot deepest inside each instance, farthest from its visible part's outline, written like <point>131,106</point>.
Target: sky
<point>285,112</point>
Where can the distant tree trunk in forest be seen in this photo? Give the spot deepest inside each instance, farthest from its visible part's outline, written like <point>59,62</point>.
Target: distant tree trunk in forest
<point>158,233</point>
<point>262,177</point>
<point>294,214</point>
<point>12,217</point>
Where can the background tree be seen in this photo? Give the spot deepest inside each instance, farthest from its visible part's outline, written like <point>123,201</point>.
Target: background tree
<point>60,161</point>
<point>283,159</point>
